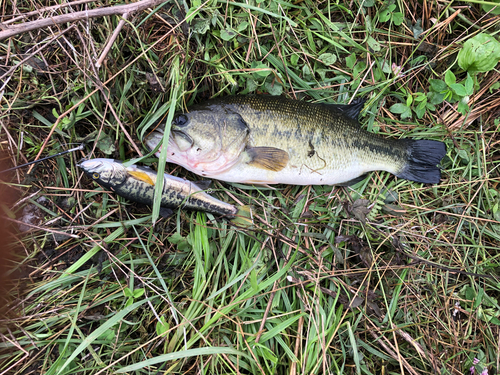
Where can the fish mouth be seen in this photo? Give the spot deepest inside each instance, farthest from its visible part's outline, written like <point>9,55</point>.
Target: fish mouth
<point>177,137</point>
<point>91,165</point>
<point>182,138</point>
<point>154,139</point>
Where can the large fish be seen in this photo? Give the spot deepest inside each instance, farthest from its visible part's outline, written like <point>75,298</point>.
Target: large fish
<point>137,184</point>
<point>270,140</point>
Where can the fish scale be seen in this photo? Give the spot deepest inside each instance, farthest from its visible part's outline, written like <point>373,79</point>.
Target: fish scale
<point>270,139</point>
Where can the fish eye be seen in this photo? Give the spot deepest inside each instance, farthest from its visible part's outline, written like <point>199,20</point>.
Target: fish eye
<point>180,120</point>
<point>95,175</point>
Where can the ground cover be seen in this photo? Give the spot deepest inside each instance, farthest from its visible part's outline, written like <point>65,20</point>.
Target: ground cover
<point>386,276</point>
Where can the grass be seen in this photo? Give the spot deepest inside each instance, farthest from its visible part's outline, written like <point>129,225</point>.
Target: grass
<point>387,276</point>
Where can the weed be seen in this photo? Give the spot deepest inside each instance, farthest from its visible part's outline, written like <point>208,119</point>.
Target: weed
<point>386,276</point>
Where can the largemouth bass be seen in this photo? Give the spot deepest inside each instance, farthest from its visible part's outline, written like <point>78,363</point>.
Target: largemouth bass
<point>137,184</point>
<point>269,140</point>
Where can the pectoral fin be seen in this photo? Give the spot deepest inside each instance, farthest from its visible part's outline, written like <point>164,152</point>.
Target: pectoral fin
<point>142,176</point>
<point>270,158</point>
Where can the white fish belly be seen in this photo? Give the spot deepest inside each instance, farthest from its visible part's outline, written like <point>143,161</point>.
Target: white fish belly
<point>244,173</point>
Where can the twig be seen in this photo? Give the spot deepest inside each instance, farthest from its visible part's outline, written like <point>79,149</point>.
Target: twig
<point>42,228</point>
<point>71,17</point>
<point>46,9</point>
<point>391,352</point>
<point>266,313</point>
<point>419,349</point>
<point>111,40</point>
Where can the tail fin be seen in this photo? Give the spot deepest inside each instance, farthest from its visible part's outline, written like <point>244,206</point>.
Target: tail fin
<point>243,217</point>
<point>423,158</point>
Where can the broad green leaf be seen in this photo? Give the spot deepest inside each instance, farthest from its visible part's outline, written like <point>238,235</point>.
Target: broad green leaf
<point>494,87</point>
<point>274,88</point>
<point>242,26</point>
<point>251,85</point>
<point>359,68</point>
<point>373,44</point>
<point>479,298</point>
<point>328,58</point>
<point>398,108</point>
<point>420,109</point>
<point>385,15</point>
<point>420,96</point>
<point>437,85</point>
<point>350,61</point>
<point>492,8</point>
<point>105,144</point>
<point>469,85</point>
<point>402,109</point>
<point>200,26</point>
<point>162,326</point>
<point>306,71</point>
<point>450,78</point>
<point>479,54</point>
<point>417,29</point>
<point>459,89</point>
<point>435,97</point>
<point>263,70</point>
<point>463,106</point>
<point>397,18</point>
<point>227,34</point>
<point>138,292</point>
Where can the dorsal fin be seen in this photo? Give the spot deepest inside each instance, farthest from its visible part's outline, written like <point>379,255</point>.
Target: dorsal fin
<point>350,110</point>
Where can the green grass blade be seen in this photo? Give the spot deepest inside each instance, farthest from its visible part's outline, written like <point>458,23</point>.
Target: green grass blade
<point>182,354</point>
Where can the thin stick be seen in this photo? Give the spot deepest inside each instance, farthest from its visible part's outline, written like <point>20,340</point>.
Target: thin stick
<point>46,9</point>
<point>42,228</point>
<point>48,157</point>
<point>266,313</point>
<point>111,40</point>
<point>71,17</point>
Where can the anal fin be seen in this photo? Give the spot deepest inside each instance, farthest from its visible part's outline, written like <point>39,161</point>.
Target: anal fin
<point>270,158</point>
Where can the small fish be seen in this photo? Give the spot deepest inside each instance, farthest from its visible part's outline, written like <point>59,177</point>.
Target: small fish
<point>270,140</point>
<point>137,184</point>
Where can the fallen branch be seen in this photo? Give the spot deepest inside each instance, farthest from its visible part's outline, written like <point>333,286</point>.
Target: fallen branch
<point>9,31</point>
<point>111,41</point>
<point>39,11</point>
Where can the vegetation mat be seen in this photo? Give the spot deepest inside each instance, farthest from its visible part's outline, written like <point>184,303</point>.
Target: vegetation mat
<point>386,276</point>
